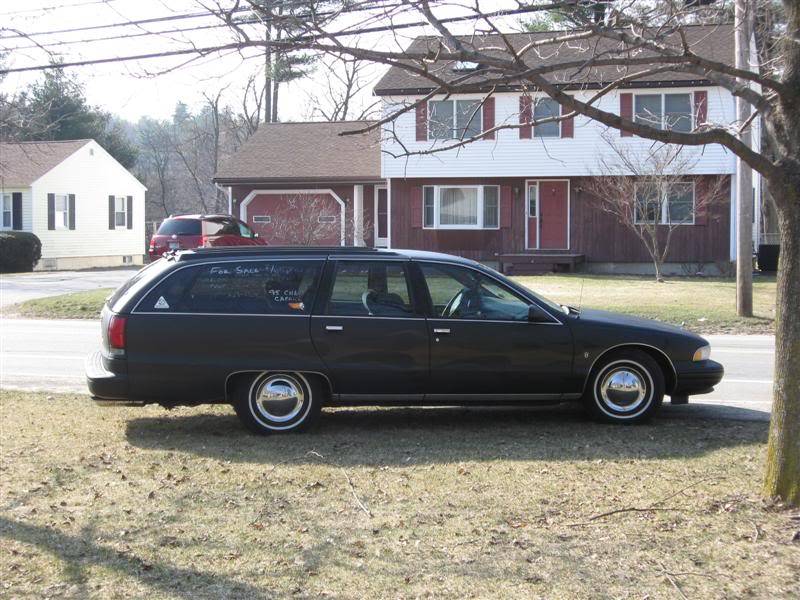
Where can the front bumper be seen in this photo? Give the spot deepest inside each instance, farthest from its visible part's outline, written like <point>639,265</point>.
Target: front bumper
<point>104,384</point>
<point>695,378</point>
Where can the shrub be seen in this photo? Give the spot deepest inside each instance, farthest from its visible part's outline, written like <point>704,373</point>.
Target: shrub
<point>19,251</point>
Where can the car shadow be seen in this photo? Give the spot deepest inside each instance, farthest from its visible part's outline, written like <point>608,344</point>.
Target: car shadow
<point>402,436</point>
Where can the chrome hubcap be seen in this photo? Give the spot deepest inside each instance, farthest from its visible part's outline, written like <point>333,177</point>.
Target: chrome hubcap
<point>279,398</point>
<point>623,389</point>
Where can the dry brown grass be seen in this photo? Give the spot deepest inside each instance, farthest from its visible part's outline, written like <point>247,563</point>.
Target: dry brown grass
<point>141,502</point>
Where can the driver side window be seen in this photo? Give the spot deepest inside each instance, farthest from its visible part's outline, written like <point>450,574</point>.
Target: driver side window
<point>370,288</point>
<point>462,293</point>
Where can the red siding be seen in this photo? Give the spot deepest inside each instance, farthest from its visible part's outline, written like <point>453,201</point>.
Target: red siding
<point>506,205</point>
<point>626,110</point>
<point>416,206</point>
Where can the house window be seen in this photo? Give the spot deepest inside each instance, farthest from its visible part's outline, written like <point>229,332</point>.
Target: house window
<point>461,207</point>
<point>8,211</point>
<point>664,111</point>
<point>454,119</point>
<point>120,214</point>
<point>546,108</point>
<point>61,211</point>
<point>665,204</point>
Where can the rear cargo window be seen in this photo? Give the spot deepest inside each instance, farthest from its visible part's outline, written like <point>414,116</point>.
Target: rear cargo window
<point>253,287</point>
<point>179,227</point>
<point>148,272</point>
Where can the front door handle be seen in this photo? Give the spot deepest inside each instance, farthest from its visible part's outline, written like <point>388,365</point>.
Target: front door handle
<point>441,331</point>
<point>334,328</point>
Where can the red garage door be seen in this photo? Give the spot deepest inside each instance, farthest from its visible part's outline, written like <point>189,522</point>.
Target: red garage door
<point>296,219</point>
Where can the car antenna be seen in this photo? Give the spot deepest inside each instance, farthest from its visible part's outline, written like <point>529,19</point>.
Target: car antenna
<point>580,295</point>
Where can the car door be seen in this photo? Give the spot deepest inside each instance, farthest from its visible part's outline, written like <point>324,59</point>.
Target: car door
<point>369,331</point>
<point>483,344</point>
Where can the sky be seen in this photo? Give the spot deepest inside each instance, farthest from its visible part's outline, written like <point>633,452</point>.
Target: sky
<point>153,87</point>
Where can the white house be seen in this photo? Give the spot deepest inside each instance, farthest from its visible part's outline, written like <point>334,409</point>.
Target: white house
<point>84,206</point>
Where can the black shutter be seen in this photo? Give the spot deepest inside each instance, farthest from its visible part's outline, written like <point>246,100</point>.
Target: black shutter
<point>130,212</point>
<point>111,212</point>
<point>72,211</point>
<point>16,208</point>
<point>51,211</point>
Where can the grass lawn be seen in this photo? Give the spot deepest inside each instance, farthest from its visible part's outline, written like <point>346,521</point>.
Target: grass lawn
<point>77,305</point>
<point>384,503</point>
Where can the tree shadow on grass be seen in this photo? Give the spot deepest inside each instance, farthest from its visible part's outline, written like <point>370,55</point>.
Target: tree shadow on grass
<point>402,436</point>
<point>80,552</point>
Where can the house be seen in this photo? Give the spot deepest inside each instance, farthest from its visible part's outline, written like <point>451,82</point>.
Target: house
<point>519,196</point>
<point>85,207</point>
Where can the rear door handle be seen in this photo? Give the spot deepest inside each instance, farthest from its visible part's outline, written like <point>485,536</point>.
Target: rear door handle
<point>334,328</point>
<point>441,331</point>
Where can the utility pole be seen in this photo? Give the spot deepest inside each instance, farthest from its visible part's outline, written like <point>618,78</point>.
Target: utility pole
<point>744,174</point>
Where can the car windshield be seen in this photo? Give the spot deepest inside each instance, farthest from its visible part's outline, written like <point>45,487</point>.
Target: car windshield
<point>539,297</point>
<point>179,227</point>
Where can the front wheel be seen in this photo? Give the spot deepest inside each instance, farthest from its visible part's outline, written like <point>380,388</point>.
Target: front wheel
<point>278,402</point>
<point>625,387</point>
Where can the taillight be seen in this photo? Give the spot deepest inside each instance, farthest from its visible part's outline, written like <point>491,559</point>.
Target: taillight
<point>116,335</point>
<point>204,242</point>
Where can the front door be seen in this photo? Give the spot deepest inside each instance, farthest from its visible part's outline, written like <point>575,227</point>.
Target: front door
<point>483,345</point>
<point>553,214</point>
<point>381,217</point>
<point>372,339</point>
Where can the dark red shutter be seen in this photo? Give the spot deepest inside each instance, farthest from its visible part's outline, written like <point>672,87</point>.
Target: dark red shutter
<point>51,211</point>
<point>111,219</point>
<point>416,207</point>
<point>71,210</point>
<point>506,205</point>
<point>422,122</point>
<point>129,215</point>
<point>488,118</point>
<point>567,125</point>
<point>16,211</point>
<point>626,111</point>
<point>525,118</point>
<point>700,107</point>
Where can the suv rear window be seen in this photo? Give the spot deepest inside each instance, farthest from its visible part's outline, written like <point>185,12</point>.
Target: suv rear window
<point>179,227</point>
<point>253,287</point>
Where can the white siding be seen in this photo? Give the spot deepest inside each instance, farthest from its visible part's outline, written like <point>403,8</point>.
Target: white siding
<point>509,156</point>
<point>26,206</point>
<point>92,177</point>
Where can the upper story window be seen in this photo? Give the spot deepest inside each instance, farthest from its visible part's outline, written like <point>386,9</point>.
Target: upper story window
<point>461,207</point>
<point>61,211</point>
<point>454,119</point>
<point>665,204</point>
<point>546,108</point>
<point>664,111</point>
<point>7,206</point>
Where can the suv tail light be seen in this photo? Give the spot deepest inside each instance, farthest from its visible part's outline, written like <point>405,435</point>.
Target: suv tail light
<point>116,335</point>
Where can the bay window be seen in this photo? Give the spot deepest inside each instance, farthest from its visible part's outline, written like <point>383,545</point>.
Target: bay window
<point>461,207</point>
<point>665,204</point>
<point>664,111</point>
<point>454,119</point>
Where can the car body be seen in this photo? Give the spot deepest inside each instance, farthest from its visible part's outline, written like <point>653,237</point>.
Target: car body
<point>183,232</point>
<point>279,332</point>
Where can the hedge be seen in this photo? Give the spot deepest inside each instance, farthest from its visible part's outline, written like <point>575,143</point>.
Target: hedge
<point>19,251</point>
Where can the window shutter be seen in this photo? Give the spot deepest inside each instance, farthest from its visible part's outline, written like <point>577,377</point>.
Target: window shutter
<point>71,211</point>
<point>488,117</point>
<point>525,117</point>
<point>422,121</point>
<point>567,125</point>
<point>506,205</point>
<point>700,107</point>
<point>416,207</point>
<point>16,208</point>
<point>626,111</point>
<point>51,211</point>
<point>111,220</point>
<point>129,213</point>
<point>700,192</point>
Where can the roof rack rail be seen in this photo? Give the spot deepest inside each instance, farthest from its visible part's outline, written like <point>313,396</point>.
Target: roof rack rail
<point>220,251</point>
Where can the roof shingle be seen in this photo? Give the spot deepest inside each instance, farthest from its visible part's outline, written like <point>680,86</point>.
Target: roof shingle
<point>22,163</point>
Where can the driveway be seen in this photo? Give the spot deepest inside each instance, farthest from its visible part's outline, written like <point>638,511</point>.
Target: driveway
<point>18,287</point>
<point>48,356</point>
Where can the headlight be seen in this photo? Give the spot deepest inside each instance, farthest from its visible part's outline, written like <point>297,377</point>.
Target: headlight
<point>702,353</point>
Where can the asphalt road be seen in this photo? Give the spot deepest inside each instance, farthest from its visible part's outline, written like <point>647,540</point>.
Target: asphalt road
<point>48,356</point>
<point>18,287</point>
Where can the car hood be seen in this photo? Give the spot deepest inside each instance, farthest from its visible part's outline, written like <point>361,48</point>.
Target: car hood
<point>603,317</point>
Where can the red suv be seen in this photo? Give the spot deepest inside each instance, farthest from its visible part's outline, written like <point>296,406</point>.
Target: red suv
<point>194,231</point>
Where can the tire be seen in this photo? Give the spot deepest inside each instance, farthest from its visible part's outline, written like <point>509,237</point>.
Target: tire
<point>295,402</point>
<point>624,387</point>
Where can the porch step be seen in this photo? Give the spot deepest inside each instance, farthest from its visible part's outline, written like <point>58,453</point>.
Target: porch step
<point>540,262</point>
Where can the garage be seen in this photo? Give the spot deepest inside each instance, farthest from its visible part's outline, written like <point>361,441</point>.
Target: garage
<point>311,217</point>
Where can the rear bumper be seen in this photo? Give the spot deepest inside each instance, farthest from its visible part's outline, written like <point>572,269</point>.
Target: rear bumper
<point>695,378</point>
<point>104,384</point>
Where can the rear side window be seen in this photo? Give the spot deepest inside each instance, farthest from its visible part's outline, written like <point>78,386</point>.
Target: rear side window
<point>220,227</point>
<point>363,288</point>
<point>254,287</point>
<point>179,227</point>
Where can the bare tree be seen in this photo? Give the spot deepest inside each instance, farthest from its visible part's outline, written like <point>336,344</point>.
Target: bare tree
<point>341,96</point>
<point>651,194</point>
<point>155,159</point>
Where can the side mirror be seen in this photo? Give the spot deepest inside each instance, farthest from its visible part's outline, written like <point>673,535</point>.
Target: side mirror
<point>255,235</point>
<point>536,314</point>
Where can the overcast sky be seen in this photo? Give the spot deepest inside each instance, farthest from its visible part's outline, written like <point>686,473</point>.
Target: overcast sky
<point>130,89</point>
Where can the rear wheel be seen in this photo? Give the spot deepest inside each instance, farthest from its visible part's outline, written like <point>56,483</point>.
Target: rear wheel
<point>278,402</point>
<point>625,387</point>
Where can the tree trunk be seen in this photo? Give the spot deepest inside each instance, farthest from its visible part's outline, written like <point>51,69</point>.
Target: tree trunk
<point>275,85</point>
<point>268,73</point>
<point>783,452</point>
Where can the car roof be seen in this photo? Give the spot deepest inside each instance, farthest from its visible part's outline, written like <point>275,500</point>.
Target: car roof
<point>200,217</point>
<point>311,251</point>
